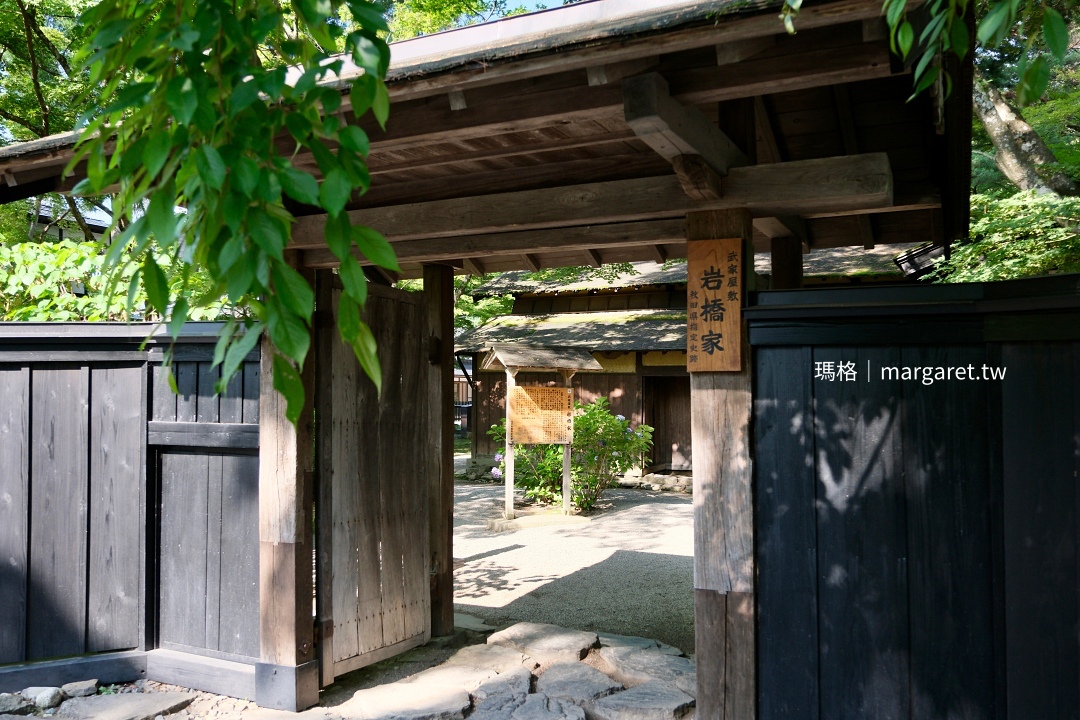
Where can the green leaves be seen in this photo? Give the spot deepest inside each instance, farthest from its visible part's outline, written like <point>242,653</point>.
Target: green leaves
<point>192,116</point>
<point>1056,33</point>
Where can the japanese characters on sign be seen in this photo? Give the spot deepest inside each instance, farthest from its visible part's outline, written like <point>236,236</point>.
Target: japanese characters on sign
<point>714,305</point>
<point>541,415</point>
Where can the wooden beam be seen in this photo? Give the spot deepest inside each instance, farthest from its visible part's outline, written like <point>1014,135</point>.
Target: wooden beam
<point>600,53</point>
<point>457,100</point>
<point>473,266</point>
<point>594,258</point>
<point>795,188</point>
<point>851,147</point>
<point>287,674</point>
<point>616,235</point>
<point>672,129</point>
<point>698,180</point>
<point>736,51</point>
<point>721,408</point>
<point>439,314</point>
<point>531,261</point>
<point>614,72</point>
<point>659,254</point>
<point>787,263</point>
<point>418,124</point>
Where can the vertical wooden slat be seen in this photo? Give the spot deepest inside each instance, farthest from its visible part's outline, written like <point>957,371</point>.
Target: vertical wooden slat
<point>948,537</point>
<point>325,333</point>
<point>1041,463</point>
<point>231,403</point>
<point>14,510</point>
<point>787,263</point>
<point>208,403</point>
<point>710,646</point>
<point>187,389</point>
<point>414,495</point>
<point>58,525</point>
<point>184,484</point>
<point>346,474</point>
<point>217,525</point>
<point>164,399</point>
<point>388,332</point>
<point>786,534</point>
<point>252,382</point>
<point>439,410</point>
<point>238,624</point>
<point>117,458</point>
<point>862,584</point>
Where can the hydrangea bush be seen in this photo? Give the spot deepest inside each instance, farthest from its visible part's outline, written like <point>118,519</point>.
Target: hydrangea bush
<point>605,447</point>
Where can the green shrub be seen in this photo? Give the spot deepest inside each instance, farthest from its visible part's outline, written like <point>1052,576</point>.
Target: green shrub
<point>605,447</point>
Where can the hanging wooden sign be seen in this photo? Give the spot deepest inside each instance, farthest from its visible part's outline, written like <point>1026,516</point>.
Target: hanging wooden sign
<point>541,415</point>
<point>714,295</point>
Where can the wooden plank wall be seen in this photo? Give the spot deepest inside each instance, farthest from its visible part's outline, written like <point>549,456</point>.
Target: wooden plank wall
<point>623,391</point>
<point>210,553</point>
<point>666,408</point>
<point>917,544</point>
<point>378,493</point>
<point>72,478</point>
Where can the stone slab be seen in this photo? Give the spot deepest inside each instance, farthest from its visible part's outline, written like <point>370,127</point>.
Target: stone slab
<point>463,677</point>
<point>688,684</point>
<point>82,688</point>
<point>631,666</point>
<point>405,701</point>
<point>610,640</point>
<point>546,643</point>
<point>541,707</point>
<point>515,684</point>
<point>126,706</point>
<point>471,622</point>
<point>499,658</point>
<point>652,701</point>
<point>15,704</point>
<point>576,682</point>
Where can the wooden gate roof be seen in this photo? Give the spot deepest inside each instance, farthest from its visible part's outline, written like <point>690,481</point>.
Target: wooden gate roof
<point>583,135</point>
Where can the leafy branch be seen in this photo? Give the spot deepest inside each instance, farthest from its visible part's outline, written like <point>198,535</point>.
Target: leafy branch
<point>193,125</point>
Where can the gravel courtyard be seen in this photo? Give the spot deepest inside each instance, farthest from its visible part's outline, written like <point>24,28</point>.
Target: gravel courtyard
<point>629,570</point>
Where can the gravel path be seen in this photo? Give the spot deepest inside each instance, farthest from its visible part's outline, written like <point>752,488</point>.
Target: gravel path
<point>629,570</point>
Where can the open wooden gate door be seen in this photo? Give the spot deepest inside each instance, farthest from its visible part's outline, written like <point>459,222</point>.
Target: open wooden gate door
<point>373,589</point>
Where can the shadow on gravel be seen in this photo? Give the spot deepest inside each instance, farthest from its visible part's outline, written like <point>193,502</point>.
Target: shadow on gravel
<point>629,593</point>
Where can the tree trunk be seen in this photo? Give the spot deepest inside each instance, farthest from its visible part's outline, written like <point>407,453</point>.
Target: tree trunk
<point>1019,151</point>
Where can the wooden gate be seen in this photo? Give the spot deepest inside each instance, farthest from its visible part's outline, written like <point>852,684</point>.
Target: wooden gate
<point>373,591</point>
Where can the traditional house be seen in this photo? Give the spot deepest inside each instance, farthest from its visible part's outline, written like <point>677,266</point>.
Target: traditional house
<point>635,326</point>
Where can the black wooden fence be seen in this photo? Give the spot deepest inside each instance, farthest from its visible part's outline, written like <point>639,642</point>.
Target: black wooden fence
<point>128,514</point>
<point>917,539</point>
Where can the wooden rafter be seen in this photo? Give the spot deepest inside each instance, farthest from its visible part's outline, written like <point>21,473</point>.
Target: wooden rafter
<point>594,257</point>
<point>473,266</point>
<point>851,147</point>
<point>531,261</point>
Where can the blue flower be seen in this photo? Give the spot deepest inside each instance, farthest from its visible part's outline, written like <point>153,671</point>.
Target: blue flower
<point>620,418</point>
<point>498,457</point>
<point>496,473</point>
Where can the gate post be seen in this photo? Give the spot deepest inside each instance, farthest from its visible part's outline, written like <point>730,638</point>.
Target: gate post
<point>721,406</point>
<point>439,313</point>
<point>287,674</point>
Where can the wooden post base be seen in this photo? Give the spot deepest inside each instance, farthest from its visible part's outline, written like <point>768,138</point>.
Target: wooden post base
<point>287,687</point>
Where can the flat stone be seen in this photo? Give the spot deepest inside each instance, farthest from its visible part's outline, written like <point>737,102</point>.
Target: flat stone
<point>652,701</point>
<point>471,622</point>
<point>610,640</point>
<point>631,666</point>
<point>128,706</point>
<point>576,682</point>
<point>541,707</point>
<point>688,684</point>
<point>497,707</point>
<point>463,677</point>
<point>496,657</point>
<point>44,697</point>
<point>514,683</point>
<point>406,701</point>
<point>15,704</point>
<point>82,688</point>
<point>546,643</point>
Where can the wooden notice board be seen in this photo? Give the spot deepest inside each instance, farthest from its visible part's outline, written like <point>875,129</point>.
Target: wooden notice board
<point>542,415</point>
<point>714,296</point>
